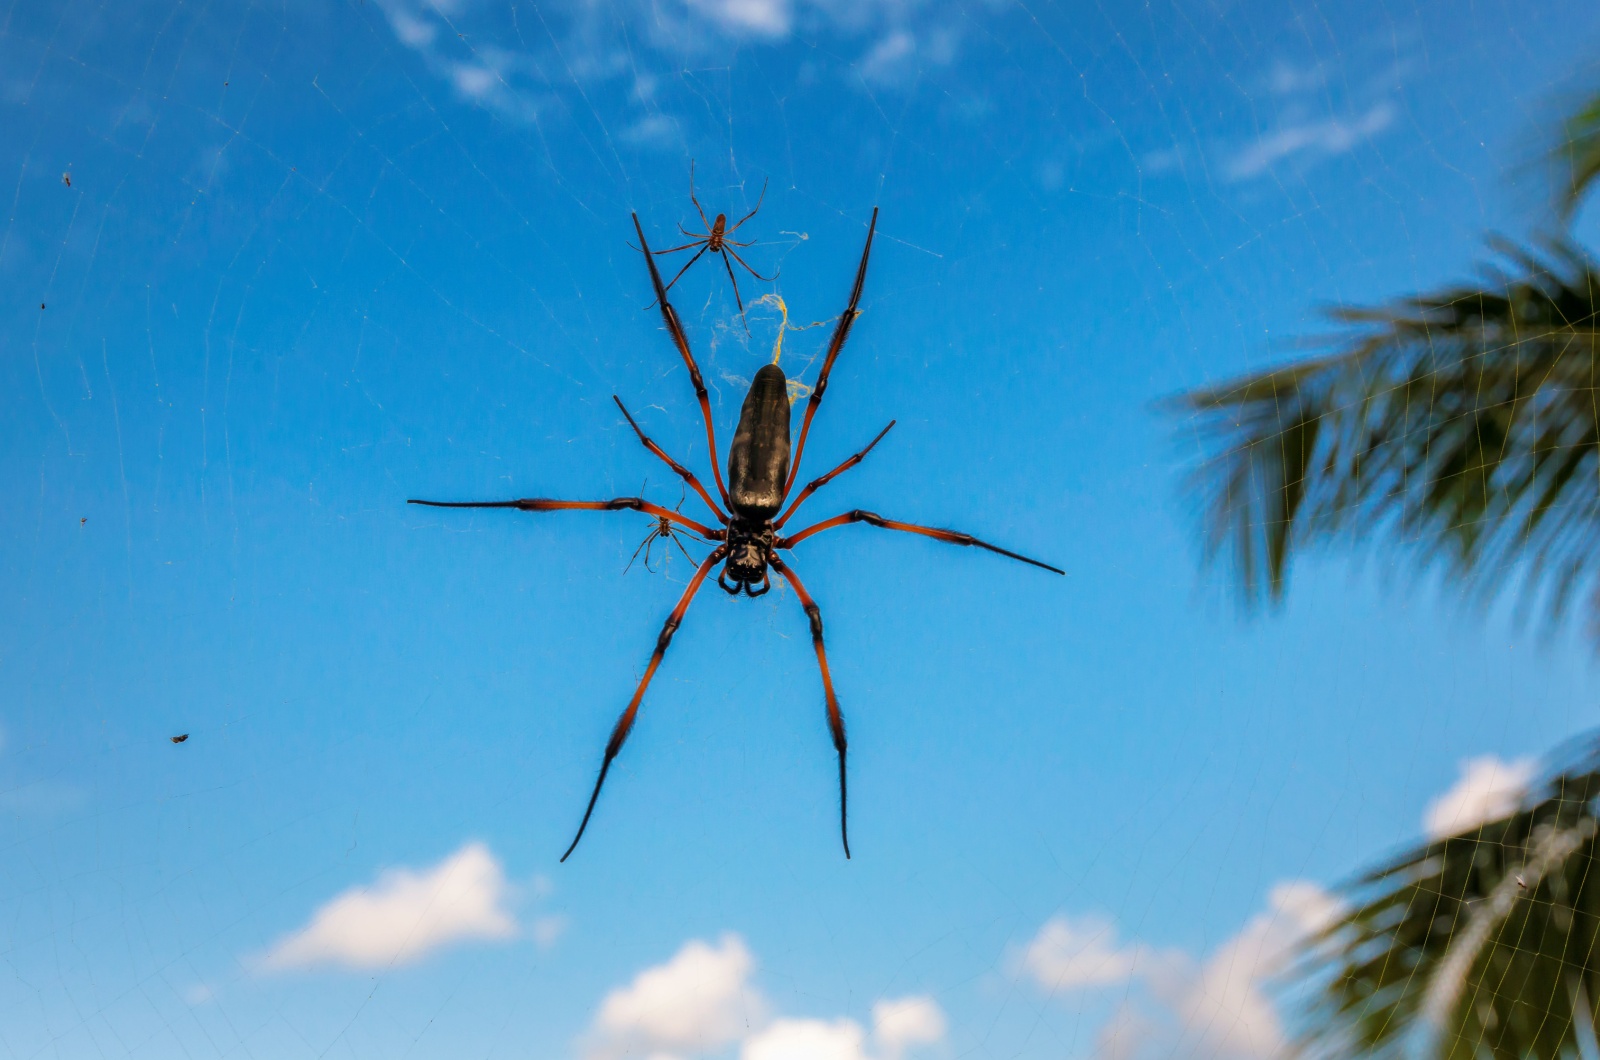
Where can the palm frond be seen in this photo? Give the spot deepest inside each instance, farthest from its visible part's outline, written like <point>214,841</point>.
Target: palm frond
<point>1485,944</point>
<point>1579,156</point>
<point>1462,425</point>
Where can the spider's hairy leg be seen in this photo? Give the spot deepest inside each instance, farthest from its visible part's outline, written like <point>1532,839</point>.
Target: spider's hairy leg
<point>729,248</point>
<point>815,484</point>
<point>615,504</point>
<point>733,280</point>
<point>841,332</point>
<point>835,718</point>
<point>680,340</point>
<point>696,201</point>
<point>759,199</point>
<point>683,472</point>
<point>954,537</point>
<point>619,734</point>
<point>705,245</point>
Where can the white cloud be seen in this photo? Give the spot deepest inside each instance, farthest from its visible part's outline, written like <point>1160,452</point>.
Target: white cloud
<point>467,44</point>
<point>890,58</point>
<point>1074,953</point>
<point>699,1000</point>
<point>899,1025</point>
<point>1488,790</point>
<point>907,1023</point>
<point>547,929</point>
<point>1217,1009</point>
<point>1125,1035</point>
<point>761,18</point>
<point>1223,1011</point>
<point>1156,162</point>
<point>1309,139</point>
<point>792,1039</point>
<point>1287,79</point>
<point>899,54</point>
<point>405,915</point>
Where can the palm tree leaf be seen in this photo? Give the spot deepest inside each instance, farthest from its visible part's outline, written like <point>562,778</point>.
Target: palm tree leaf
<point>1463,425</point>
<point>1579,156</point>
<point>1485,944</point>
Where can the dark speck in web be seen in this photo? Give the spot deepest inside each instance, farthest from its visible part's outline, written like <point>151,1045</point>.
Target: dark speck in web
<point>180,738</point>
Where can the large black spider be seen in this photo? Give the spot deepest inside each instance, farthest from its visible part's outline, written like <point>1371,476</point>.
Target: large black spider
<point>760,478</point>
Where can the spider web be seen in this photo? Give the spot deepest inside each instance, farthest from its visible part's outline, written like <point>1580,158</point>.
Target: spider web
<point>273,269</point>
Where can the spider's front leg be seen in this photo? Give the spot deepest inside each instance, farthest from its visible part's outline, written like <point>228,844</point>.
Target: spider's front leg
<point>542,504</point>
<point>619,734</point>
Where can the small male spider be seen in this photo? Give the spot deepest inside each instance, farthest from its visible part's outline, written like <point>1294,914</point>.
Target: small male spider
<point>715,239</point>
<point>761,477</point>
<point>663,530</point>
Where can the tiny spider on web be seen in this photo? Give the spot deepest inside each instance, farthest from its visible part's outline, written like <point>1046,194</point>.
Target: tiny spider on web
<point>662,530</point>
<point>715,239</point>
<point>763,470</point>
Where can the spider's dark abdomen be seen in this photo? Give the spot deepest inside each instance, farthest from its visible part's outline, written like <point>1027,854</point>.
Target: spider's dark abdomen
<point>758,459</point>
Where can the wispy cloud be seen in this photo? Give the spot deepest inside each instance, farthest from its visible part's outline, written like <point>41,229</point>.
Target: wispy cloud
<point>702,1001</point>
<point>1216,1008</point>
<point>404,915</point>
<point>1489,788</point>
<point>43,798</point>
<point>468,45</point>
<point>760,18</point>
<point>1318,139</point>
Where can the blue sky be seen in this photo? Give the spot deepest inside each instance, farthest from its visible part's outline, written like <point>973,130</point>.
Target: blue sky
<point>273,269</point>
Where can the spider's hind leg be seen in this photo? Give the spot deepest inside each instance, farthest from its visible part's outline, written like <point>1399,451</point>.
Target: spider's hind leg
<point>835,717</point>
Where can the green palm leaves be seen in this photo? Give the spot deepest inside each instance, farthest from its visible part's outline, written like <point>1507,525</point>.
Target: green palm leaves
<point>1463,426</point>
<point>1580,155</point>
<point>1478,945</point>
<point>1464,423</point>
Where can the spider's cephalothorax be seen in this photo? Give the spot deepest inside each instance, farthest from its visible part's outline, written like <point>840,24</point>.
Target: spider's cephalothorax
<point>761,478</point>
<point>758,466</point>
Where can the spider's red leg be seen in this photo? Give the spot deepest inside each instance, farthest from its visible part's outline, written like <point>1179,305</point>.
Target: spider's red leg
<point>540,504</point>
<point>841,332</point>
<point>747,268</point>
<point>735,283</point>
<point>685,551</point>
<point>954,537</point>
<point>670,315</point>
<point>835,719</point>
<point>672,250</point>
<point>815,484</point>
<point>619,734</point>
<point>685,269</point>
<point>696,201</point>
<point>683,472</point>
<point>752,213</point>
<point>640,549</point>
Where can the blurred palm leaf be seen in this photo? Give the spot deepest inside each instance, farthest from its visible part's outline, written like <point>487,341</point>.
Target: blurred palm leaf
<point>1481,945</point>
<point>1463,424</point>
<point>1580,155</point>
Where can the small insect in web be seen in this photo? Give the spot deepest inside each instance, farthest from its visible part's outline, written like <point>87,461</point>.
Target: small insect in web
<point>761,479</point>
<point>179,738</point>
<point>715,239</point>
<point>662,530</point>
